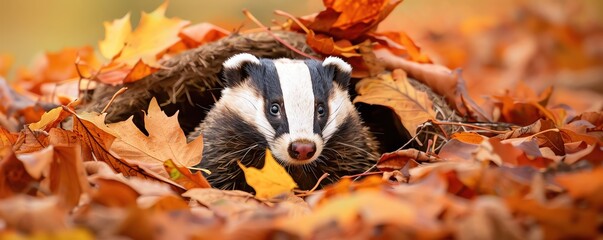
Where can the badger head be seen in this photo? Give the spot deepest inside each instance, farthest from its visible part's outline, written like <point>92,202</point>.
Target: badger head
<point>296,105</point>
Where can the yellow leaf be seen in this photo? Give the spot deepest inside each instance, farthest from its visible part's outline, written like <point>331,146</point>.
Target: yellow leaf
<point>50,119</point>
<point>269,181</point>
<point>412,106</point>
<point>164,141</point>
<point>116,33</point>
<point>155,34</point>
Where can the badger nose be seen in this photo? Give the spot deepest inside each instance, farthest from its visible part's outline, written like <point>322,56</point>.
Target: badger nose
<point>302,149</point>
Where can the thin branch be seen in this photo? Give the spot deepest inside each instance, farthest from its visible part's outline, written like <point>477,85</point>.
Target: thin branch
<point>277,38</point>
<point>119,92</point>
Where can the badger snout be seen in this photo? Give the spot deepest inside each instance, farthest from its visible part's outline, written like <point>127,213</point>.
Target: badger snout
<point>302,149</point>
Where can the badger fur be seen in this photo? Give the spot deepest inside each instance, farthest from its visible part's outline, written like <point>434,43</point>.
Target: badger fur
<point>299,109</point>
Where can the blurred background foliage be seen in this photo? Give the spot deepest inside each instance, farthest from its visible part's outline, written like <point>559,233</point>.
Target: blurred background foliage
<point>500,43</point>
<point>29,27</point>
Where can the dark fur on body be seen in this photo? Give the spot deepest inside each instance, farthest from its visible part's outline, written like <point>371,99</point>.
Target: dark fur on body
<point>228,138</point>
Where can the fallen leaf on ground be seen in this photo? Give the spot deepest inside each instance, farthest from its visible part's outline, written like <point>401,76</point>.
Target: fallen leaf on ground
<point>269,181</point>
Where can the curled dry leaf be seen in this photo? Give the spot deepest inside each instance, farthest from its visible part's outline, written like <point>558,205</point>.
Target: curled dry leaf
<point>395,92</point>
<point>184,176</point>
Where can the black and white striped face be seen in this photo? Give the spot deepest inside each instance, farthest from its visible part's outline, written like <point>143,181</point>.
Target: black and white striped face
<point>296,105</point>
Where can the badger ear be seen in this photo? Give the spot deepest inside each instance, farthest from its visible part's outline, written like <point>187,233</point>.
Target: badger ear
<point>342,70</point>
<point>235,68</point>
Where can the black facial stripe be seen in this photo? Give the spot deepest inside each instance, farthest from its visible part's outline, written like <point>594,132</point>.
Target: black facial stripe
<point>322,83</point>
<point>265,79</point>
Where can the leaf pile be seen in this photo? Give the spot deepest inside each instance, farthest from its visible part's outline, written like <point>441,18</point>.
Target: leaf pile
<point>530,170</point>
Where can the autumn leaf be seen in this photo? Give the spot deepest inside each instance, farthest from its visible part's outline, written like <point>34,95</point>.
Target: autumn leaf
<point>201,33</point>
<point>164,141</point>
<point>98,138</point>
<point>116,33</point>
<point>269,181</point>
<point>67,178</point>
<point>134,54</point>
<point>412,106</point>
<point>6,61</point>
<point>50,119</point>
<point>184,177</point>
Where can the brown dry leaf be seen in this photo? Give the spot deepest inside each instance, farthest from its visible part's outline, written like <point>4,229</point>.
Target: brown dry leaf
<point>233,205</point>
<point>113,193</point>
<point>6,138</point>
<point>98,138</point>
<point>457,150</point>
<point>67,177</point>
<point>592,153</point>
<point>345,212</point>
<point>28,214</point>
<point>270,181</point>
<point>14,178</point>
<point>586,185</point>
<point>595,118</point>
<point>165,141</point>
<point>184,176</point>
<point>544,131</point>
<point>37,163</point>
<point>557,222</point>
<point>394,91</point>
<point>400,159</point>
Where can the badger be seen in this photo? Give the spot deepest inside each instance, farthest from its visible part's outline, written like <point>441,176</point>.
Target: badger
<point>299,109</point>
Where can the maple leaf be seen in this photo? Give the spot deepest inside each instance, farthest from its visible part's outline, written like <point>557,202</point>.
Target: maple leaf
<point>184,177</point>
<point>134,54</point>
<point>165,141</point>
<point>269,181</point>
<point>394,91</point>
<point>98,138</point>
<point>116,33</point>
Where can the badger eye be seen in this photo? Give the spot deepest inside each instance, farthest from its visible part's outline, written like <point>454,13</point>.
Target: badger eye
<point>274,109</point>
<point>321,111</point>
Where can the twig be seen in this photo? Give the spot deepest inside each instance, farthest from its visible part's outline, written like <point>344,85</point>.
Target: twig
<point>119,92</point>
<point>294,19</point>
<point>277,38</point>
<point>467,125</point>
<point>308,192</point>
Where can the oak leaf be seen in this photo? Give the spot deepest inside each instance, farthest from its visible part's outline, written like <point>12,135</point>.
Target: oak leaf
<point>412,106</point>
<point>164,141</point>
<point>269,181</point>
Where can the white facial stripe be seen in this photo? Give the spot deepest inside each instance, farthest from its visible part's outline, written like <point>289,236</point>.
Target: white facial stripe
<point>339,106</point>
<point>298,96</point>
<point>249,105</point>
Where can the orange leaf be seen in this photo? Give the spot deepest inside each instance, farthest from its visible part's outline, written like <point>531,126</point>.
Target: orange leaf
<point>6,61</point>
<point>468,137</point>
<point>155,34</point>
<point>116,33</point>
<point>14,179</point>
<point>201,33</point>
<point>412,106</point>
<point>67,176</point>
<point>184,177</point>
<point>400,43</point>
<point>586,185</point>
<point>344,19</point>
<point>139,71</point>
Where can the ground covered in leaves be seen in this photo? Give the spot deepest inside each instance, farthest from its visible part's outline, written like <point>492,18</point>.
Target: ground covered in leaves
<point>525,162</point>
